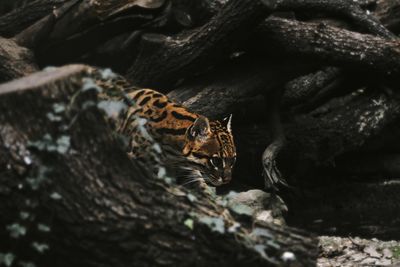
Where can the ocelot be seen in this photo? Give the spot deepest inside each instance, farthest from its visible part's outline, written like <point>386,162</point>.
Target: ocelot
<point>194,148</point>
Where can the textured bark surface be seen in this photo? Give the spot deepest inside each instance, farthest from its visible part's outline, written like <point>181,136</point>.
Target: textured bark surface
<point>334,45</point>
<point>179,56</point>
<point>237,84</point>
<point>22,17</point>
<point>348,9</point>
<point>15,61</point>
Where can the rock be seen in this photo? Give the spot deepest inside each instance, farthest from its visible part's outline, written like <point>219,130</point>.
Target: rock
<point>264,207</point>
<point>387,253</point>
<point>383,262</point>
<point>342,251</point>
<point>255,199</point>
<point>264,216</point>
<point>371,250</point>
<point>368,262</point>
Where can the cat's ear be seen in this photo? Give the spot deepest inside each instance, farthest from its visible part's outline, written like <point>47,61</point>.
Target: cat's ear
<point>228,122</point>
<point>200,128</point>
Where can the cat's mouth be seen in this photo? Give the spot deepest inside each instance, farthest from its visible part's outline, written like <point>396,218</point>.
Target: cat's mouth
<point>212,180</point>
<point>209,178</point>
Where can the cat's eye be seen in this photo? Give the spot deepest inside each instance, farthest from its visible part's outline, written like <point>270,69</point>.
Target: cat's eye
<point>216,162</point>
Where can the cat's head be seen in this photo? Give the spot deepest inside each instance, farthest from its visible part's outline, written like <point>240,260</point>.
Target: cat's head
<point>210,148</point>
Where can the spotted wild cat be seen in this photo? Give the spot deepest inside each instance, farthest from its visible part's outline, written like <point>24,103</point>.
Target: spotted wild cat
<point>194,147</point>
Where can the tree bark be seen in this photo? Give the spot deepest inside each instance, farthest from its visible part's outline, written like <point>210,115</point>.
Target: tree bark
<point>163,60</point>
<point>238,83</point>
<point>15,61</point>
<point>22,17</point>
<point>312,39</point>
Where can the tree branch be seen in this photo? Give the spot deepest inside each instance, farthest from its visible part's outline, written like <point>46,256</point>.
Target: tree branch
<point>333,44</point>
<point>349,9</point>
<point>20,18</point>
<point>164,59</point>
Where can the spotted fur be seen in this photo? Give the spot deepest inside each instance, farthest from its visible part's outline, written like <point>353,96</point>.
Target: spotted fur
<point>193,146</point>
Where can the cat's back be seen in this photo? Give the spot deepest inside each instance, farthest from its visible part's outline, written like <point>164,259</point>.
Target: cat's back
<point>166,119</point>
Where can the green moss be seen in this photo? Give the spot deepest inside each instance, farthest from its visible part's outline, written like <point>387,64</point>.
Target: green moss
<point>396,252</point>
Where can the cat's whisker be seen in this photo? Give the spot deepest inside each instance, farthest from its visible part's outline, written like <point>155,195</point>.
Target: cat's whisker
<point>192,181</point>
